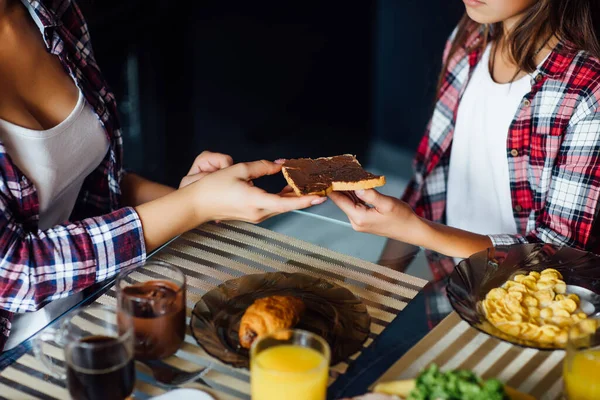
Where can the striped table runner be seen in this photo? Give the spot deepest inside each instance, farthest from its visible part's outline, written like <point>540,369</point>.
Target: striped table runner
<point>211,255</point>
<point>453,344</point>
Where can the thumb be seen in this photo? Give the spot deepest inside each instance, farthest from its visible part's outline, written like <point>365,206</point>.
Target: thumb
<point>372,197</point>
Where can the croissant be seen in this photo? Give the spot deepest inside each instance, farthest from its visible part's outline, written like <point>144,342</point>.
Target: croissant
<point>268,315</point>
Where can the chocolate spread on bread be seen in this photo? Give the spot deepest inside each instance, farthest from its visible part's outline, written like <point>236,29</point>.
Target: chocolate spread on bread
<point>322,175</point>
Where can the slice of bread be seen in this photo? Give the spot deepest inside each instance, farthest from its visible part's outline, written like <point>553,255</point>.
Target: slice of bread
<point>321,176</point>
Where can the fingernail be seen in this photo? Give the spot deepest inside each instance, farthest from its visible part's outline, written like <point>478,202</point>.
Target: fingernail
<point>280,161</point>
<point>359,192</point>
<point>318,201</point>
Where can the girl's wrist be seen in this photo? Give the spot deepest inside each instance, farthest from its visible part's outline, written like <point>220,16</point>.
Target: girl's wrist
<point>422,232</point>
<point>411,230</point>
<point>200,202</point>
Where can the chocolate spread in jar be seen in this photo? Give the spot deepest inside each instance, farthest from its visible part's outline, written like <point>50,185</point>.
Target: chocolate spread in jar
<point>158,311</point>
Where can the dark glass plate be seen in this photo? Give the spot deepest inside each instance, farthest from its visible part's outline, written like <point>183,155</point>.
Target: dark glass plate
<point>474,277</point>
<point>332,312</point>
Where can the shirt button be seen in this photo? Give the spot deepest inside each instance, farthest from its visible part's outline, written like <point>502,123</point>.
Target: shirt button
<point>539,77</point>
<point>526,102</point>
<point>518,208</point>
<point>514,152</point>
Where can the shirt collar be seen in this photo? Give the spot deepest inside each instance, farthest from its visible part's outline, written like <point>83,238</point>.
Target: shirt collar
<point>44,17</point>
<point>558,61</point>
<point>555,65</point>
<point>475,38</point>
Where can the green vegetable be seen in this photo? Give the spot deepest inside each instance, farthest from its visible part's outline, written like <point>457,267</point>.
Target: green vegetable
<point>432,384</point>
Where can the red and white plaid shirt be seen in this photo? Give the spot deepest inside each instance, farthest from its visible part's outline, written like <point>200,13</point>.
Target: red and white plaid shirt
<point>39,266</point>
<point>553,150</point>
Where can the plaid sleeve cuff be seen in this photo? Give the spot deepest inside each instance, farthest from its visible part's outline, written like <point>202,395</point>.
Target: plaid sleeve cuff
<point>118,241</point>
<point>506,239</point>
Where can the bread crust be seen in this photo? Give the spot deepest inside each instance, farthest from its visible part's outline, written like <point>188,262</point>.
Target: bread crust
<point>360,185</point>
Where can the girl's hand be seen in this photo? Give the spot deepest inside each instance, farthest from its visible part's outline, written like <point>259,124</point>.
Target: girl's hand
<point>384,218</point>
<point>204,164</point>
<point>395,219</point>
<point>229,194</point>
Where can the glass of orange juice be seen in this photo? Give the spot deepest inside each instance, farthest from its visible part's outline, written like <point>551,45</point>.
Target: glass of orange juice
<point>290,365</point>
<point>581,369</point>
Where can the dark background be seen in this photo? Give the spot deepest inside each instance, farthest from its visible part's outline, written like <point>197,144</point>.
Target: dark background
<point>268,79</point>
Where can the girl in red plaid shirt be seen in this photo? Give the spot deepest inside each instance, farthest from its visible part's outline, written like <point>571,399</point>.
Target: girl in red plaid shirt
<point>512,151</point>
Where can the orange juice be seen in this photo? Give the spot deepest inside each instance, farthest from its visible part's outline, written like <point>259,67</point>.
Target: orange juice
<point>288,372</point>
<point>582,375</point>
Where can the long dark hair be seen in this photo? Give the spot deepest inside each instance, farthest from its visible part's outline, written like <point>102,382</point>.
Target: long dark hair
<point>575,22</point>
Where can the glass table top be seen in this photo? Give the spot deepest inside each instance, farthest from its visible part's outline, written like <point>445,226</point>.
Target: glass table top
<point>328,227</point>
<point>332,231</point>
<point>335,233</point>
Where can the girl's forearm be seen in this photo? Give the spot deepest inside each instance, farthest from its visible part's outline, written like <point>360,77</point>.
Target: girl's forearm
<point>138,190</point>
<point>441,238</point>
<point>169,216</point>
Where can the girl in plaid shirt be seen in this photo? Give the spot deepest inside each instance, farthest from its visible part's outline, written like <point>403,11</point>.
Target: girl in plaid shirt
<point>113,218</point>
<point>512,151</point>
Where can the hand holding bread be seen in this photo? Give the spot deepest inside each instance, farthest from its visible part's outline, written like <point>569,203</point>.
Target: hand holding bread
<point>229,194</point>
<point>378,214</point>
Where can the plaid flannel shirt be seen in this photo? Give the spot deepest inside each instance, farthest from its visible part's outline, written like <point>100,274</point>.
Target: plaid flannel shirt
<point>553,150</point>
<point>40,266</point>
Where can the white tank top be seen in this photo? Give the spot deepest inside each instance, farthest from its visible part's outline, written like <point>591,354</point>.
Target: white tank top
<point>479,197</point>
<point>57,161</point>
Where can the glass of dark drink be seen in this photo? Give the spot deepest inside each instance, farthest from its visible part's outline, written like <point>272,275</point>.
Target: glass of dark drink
<point>98,353</point>
<point>154,297</point>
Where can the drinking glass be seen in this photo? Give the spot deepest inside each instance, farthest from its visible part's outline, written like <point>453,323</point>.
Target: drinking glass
<point>98,353</point>
<point>289,364</point>
<point>154,296</point>
<point>581,369</point>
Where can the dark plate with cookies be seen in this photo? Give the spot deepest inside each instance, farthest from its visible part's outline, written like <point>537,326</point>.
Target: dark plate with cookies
<point>230,317</point>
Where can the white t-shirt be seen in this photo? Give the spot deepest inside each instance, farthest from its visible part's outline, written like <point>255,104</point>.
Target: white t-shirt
<point>57,161</point>
<point>479,198</point>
